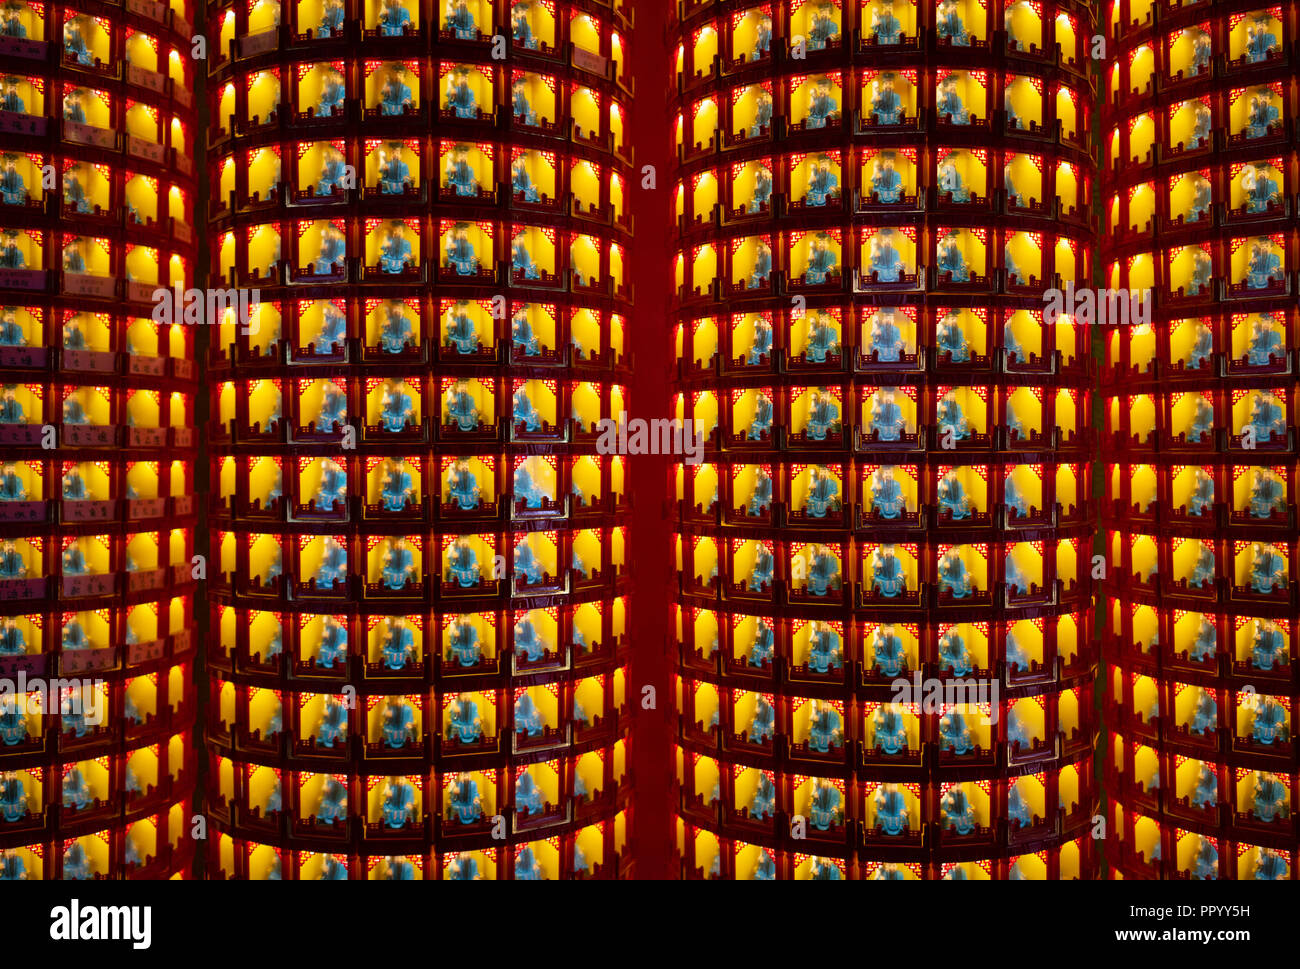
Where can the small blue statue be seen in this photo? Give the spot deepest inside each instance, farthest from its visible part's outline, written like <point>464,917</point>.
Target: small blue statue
<point>891,810</point>
<point>76,864</point>
<point>761,344</point>
<point>823,184</point>
<point>397,489</point>
<point>1265,264</point>
<point>822,26</point>
<point>822,106</point>
<point>1268,646</point>
<point>886,264</point>
<point>825,728</point>
<point>953,654</point>
<point>890,730</point>
<point>332,93</point>
<point>463,869</point>
<point>74,561</point>
<point>529,644</point>
<point>398,647</point>
<point>528,717</point>
<point>74,45</point>
<point>954,576</point>
<point>12,565</point>
<point>465,802</point>
<point>1266,417</point>
<point>461,407</point>
<point>823,338</point>
<point>527,565</point>
<point>12,867</point>
<point>331,21</point>
<point>1267,569</point>
<point>949,26</point>
<point>1271,866</point>
<point>333,487</point>
<point>524,411</point>
<point>522,335</point>
<point>13,797</point>
<point>395,252</point>
<point>333,724</point>
<point>763,724</point>
<point>953,262</point>
<point>460,252</point>
<point>399,804</point>
<point>1205,715</point>
<point>825,809</point>
<point>528,794</point>
<point>886,105</point>
<point>1206,865</point>
<point>463,643</point>
<point>1271,798</point>
<point>957,811</point>
<point>1203,571</point>
<point>462,564</point>
<point>760,500</point>
<point>1261,114</point>
<point>1018,809</point>
<point>823,571</point>
<point>763,804</point>
<point>886,182</point>
<point>952,497</point>
<point>949,103</point>
<point>950,181</point>
<point>76,791</point>
<point>822,492</point>
<point>1206,793</point>
<point>1260,41</point>
<point>1261,190</point>
<point>11,333</point>
<point>954,734</point>
<point>824,653</point>
<point>1269,723</point>
<point>761,423</point>
<point>762,189</point>
<point>887,649</point>
<point>398,566</point>
<point>823,416</point>
<point>825,870</point>
<point>886,493</point>
<point>762,39</point>
<point>884,25</point>
<point>1200,201</point>
<point>399,723</point>
<point>764,868</point>
<point>762,115</point>
<point>333,566</point>
<point>762,266</point>
<point>463,486</point>
<point>394,19</point>
<point>887,575</point>
<point>521,261</point>
<point>760,576</point>
<point>762,649</point>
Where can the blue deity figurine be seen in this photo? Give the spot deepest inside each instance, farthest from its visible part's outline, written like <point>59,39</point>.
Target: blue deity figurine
<point>524,411</point>
<point>399,723</point>
<point>1206,792</point>
<point>825,727</point>
<point>887,577</point>
<point>950,181</point>
<point>333,487</point>
<point>825,809</point>
<point>1018,809</point>
<point>331,21</point>
<point>761,344</point>
<point>1268,725</point>
<point>953,262</point>
<point>461,407</point>
<point>953,654</point>
<point>399,803</point>
<point>1260,41</point>
<point>398,647</point>
<point>760,575</point>
<point>1265,342</point>
<point>822,106</point>
<point>463,643</point>
<point>1261,190</point>
<point>463,486</point>
<point>957,811</point>
<point>886,182</point>
<point>1266,417</point>
<point>886,264</point>
<point>824,653</point>
<point>529,644</point>
<point>459,20</point>
<point>762,648</point>
<point>952,497</point>
<point>949,103</point>
<point>332,93</point>
<point>466,805</point>
<point>760,500</point>
<point>890,730</point>
<point>398,566</point>
<point>528,718</point>
<point>954,576</point>
<point>763,804</point>
<point>891,810</point>
<point>1265,264</point>
<point>761,423</point>
<point>886,494</point>
<point>333,566</point>
<point>763,723</point>
<point>462,564</point>
<point>1271,799</point>
<point>823,340</point>
<point>886,105</point>
<point>394,19</point>
<point>1205,714</point>
<point>884,25</point>
<point>949,26</point>
<point>1267,569</point>
<point>822,492</point>
<point>762,266</point>
<point>527,565</point>
<point>1270,866</point>
<point>13,797</point>
<point>1203,571</point>
<point>762,189</point>
<point>397,488</point>
<point>823,571</point>
<point>822,26</point>
<point>396,409</point>
<point>76,790</point>
<point>1261,114</point>
<point>889,656</point>
<point>528,794</point>
<point>823,184</point>
<point>954,734</point>
<point>823,416</point>
<point>1268,646</point>
<point>11,333</point>
<point>395,252</point>
<point>762,114</point>
<point>333,724</point>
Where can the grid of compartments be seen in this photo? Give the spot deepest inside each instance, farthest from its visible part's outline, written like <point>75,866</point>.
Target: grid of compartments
<point>1200,441</point>
<point>872,199</point>
<point>420,615</point>
<point>97,448</point>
